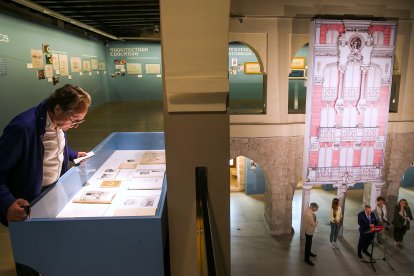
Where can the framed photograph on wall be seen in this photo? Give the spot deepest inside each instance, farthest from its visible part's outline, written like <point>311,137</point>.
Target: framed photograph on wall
<point>298,63</point>
<point>297,74</point>
<point>252,68</point>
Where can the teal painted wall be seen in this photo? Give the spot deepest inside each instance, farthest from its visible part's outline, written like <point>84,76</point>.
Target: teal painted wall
<point>143,86</point>
<point>20,88</point>
<point>243,86</point>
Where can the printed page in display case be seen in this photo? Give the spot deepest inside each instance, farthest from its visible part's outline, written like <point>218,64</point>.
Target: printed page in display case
<point>119,189</point>
<point>145,183</point>
<point>149,173</point>
<point>153,157</point>
<point>135,203</point>
<point>94,196</point>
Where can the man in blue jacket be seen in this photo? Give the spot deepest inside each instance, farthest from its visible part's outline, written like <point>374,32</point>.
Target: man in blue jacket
<point>366,221</point>
<point>33,149</point>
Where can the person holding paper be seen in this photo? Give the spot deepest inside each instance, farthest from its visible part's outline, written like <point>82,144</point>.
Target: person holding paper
<point>34,152</point>
<point>366,222</point>
<point>33,149</point>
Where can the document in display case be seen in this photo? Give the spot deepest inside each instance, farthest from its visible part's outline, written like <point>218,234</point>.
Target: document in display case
<point>110,207</point>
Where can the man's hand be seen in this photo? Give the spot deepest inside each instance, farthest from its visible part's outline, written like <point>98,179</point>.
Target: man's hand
<point>81,154</point>
<point>16,211</point>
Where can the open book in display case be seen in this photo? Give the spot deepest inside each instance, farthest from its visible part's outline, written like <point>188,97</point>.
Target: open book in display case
<point>95,245</point>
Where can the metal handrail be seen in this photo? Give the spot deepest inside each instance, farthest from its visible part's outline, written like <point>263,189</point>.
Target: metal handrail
<point>204,225</point>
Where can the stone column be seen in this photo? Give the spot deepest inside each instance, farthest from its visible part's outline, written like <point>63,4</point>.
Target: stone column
<point>341,195</point>
<point>305,204</point>
<point>371,192</point>
<point>376,188</point>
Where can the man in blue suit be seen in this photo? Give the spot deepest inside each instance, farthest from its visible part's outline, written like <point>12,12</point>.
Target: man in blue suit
<point>34,152</point>
<point>366,221</point>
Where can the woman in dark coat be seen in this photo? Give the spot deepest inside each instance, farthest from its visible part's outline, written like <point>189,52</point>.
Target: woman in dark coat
<point>401,221</point>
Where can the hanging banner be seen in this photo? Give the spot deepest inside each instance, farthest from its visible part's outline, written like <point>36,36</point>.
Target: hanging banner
<point>348,101</point>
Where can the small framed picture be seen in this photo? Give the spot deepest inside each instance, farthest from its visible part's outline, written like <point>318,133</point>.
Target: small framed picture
<point>252,68</point>
<point>297,74</point>
<point>298,63</point>
<point>46,48</point>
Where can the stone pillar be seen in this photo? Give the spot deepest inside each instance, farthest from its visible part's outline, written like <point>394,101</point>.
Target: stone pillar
<point>371,192</point>
<point>241,172</point>
<point>376,188</point>
<point>196,126</point>
<point>305,204</point>
<point>366,197</point>
<point>341,195</point>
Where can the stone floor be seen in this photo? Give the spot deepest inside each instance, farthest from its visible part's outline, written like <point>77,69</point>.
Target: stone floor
<point>253,250</point>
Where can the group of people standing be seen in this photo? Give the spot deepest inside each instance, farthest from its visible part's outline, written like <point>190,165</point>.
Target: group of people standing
<point>367,220</point>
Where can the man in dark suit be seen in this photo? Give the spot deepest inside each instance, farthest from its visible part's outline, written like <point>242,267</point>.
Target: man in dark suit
<point>366,221</point>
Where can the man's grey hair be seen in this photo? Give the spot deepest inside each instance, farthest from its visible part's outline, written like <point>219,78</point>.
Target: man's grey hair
<point>314,205</point>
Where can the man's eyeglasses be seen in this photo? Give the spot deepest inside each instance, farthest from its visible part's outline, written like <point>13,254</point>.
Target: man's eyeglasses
<point>74,124</point>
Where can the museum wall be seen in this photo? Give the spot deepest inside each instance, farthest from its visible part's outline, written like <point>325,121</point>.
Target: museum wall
<point>21,83</point>
<point>135,70</point>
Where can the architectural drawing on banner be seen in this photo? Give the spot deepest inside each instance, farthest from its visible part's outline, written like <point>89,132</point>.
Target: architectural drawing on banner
<point>348,91</point>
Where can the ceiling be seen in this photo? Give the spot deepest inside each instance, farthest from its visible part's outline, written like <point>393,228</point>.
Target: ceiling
<point>119,18</point>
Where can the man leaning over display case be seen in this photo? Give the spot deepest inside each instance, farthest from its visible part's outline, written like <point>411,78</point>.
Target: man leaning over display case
<point>34,152</point>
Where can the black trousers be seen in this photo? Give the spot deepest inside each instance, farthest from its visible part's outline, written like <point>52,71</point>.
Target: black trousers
<point>399,233</point>
<point>364,241</point>
<point>308,246</point>
<point>22,270</point>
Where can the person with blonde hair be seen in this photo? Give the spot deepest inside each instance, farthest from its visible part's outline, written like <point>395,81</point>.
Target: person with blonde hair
<point>335,221</point>
<point>401,221</point>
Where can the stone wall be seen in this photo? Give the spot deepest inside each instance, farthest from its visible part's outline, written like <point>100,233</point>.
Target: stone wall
<point>399,155</point>
<point>281,161</point>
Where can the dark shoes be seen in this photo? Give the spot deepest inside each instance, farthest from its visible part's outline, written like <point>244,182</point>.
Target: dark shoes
<point>312,255</point>
<point>367,253</point>
<point>309,262</point>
